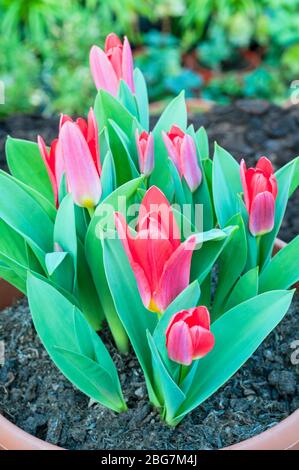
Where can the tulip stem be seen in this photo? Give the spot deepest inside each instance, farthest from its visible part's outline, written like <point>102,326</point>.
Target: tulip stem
<point>258,249</point>
<point>183,373</point>
<point>91,211</point>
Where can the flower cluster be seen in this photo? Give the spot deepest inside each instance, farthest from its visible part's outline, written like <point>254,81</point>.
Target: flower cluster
<point>94,228</point>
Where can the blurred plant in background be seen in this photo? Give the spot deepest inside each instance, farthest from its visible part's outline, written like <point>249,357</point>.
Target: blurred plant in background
<point>220,50</point>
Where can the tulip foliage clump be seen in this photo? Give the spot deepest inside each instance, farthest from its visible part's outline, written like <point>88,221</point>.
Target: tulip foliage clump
<point>116,223</point>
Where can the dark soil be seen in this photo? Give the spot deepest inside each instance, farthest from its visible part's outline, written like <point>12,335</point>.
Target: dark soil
<point>35,396</point>
<point>247,129</point>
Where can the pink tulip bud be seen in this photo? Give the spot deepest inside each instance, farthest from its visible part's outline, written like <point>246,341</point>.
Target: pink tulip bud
<point>260,192</point>
<point>160,261</point>
<point>188,336</point>
<point>110,66</point>
<point>145,148</point>
<point>81,173</point>
<point>54,160</point>
<point>182,151</point>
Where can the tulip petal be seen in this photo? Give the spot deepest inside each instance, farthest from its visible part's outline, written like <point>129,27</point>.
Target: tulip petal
<point>102,71</point>
<point>151,250</point>
<point>199,316</point>
<point>243,172</point>
<point>265,165</point>
<point>261,219</point>
<point>112,40</point>
<point>93,139</point>
<point>46,158</point>
<point>175,131</point>
<point>191,169</point>
<point>153,201</point>
<point>59,164</point>
<point>172,153</point>
<point>115,56</point>
<point>127,65</point>
<point>179,344</point>
<point>82,176</point>
<point>82,124</point>
<point>202,341</point>
<point>141,279</point>
<point>63,119</point>
<point>176,274</point>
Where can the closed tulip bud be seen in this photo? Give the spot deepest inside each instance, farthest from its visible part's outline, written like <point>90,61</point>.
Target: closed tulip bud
<point>110,66</point>
<point>260,192</point>
<point>182,151</point>
<point>81,173</point>
<point>145,149</point>
<point>54,160</point>
<point>188,336</point>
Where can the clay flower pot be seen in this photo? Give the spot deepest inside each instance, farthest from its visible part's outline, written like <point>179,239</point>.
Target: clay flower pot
<point>283,436</point>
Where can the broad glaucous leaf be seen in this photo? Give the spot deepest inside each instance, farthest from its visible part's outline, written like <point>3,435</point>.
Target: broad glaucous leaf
<point>127,98</point>
<point>73,345</point>
<point>244,289</point>
<point>26,164</point>
<point>141,96</point>
<point>175,113</point>
<point>135,318</point>
<point>26,216</point>
<point>226,185</point>
<point>238,333</point>
<point>230,266</point>
<point>283,269</point>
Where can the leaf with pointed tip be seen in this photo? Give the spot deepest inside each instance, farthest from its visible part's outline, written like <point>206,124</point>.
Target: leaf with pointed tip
<point>202,143</point>
<point>27,217</point>
<point>244,289</point>
<point>226,185</point>
<point>175,113</point>
<point>171,395</point>
<point>60,269</point>
<point>59,324</point>
<point>127,98</point>
<point>141,96</point>
<point>283,270</point>
<point>230,267</point>
<point>135,318</point>
<point>238,333</point>
<point>26,164</point>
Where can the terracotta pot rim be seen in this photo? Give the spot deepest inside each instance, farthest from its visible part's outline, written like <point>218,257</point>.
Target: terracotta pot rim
<point>282,436</point>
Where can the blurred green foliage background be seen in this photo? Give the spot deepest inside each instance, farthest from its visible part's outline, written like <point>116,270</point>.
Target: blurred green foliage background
<point>219,50</point>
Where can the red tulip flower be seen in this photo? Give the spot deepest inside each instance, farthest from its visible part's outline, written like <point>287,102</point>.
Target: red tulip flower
<point>182,151</point>
<point>260,192</point>
<point>110,66</point>
<point>159,260</point>
<point>188,336</point>
<point>55,161</point>
<point>145,149</point>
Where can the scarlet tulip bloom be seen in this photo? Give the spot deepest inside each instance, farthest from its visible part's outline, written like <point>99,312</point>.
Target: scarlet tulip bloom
<point>159,260</point>
<point>260,192</point>
<point>108,67</point>
<point>182,151</point>
<point>54,161</point>
<point>82,174</point>
<point>145,149</point>
<point>188,336</point>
